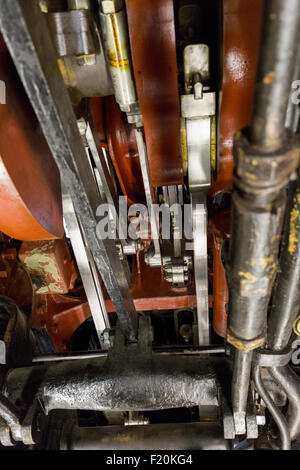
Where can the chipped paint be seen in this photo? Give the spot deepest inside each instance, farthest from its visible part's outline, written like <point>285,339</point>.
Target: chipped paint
<point>294,224</point>
<point>248,276</point>
<point>45,246</point>
<point>35,262</point>
<point>51,263</point>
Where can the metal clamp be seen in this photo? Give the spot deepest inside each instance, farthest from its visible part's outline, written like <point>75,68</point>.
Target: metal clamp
<point>265,358</point>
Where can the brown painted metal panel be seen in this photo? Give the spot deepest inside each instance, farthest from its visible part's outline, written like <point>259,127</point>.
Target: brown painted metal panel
<point>241,35</point>
<point>30,194</point>
<point>153,49</point>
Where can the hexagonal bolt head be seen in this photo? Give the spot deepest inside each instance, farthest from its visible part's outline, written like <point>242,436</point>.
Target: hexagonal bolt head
<point>106,336</point>
<point>82,126</point>
<point>86,59</point>
<point>135,119</point>
<point>111,6</point>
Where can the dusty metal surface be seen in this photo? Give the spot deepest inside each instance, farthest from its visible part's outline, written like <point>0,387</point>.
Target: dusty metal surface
<point>275,72</point>
<point>265,154</point>
<point>286,296</point>
<point>290,383</point>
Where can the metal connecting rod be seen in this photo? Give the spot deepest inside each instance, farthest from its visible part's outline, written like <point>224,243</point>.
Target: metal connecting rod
<point>265,155</point>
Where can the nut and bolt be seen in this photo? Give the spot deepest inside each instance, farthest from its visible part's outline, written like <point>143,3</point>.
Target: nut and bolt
<point>296,326</point>
<point>86,59</point>
<point>198,87</point>
<point>106,336</point>
<point>111,6</point>
<point>82,126</point>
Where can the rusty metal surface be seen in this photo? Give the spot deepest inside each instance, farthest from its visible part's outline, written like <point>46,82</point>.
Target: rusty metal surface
<point>51,264</point>
<point>153,49</point>
<point>30,202</point>
<point>241,34</point>
<point>220,290</point>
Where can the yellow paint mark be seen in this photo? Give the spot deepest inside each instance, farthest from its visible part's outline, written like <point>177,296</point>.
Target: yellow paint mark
<point>266,263</point>
<point>248,276</point>
<point>294,224</point>
<point>184,152</point>
<point>213,144</point>
<point>251,176</point>
<point>118,57</point>
<point>117,63</point>
<point>68,74</point>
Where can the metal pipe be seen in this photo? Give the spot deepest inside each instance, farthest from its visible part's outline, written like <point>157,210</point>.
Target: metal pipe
<point>293,109</point>
<point>275,412</point>
<point>123,381</point>
<point>286,307</point>
<point>183,436</point>
<point>253,262</point>
<point>240,386</point>
<point>289,382</point>
<point>164,351</point>
<point>279,41</point>
<point>286,298</point>
<point>116,40</point>
<point>265,155</point>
